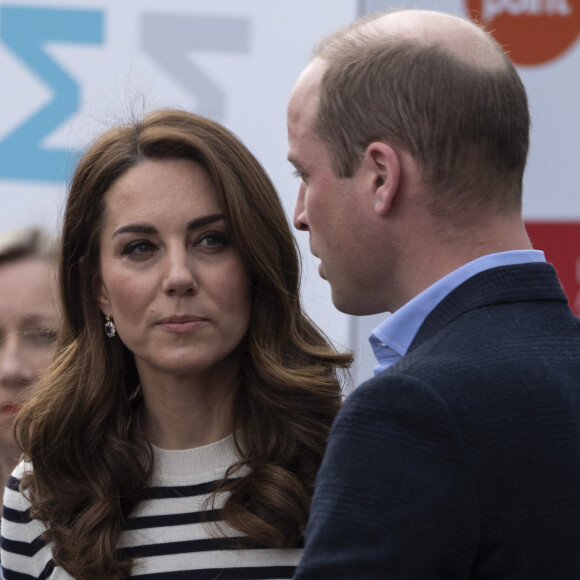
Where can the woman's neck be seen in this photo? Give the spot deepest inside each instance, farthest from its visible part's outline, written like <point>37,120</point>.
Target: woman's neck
<point>182,414</point>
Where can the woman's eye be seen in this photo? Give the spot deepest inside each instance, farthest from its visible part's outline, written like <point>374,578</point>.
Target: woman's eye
<point>213,240</point>
<point>139,249</point>
<point>41,337</point>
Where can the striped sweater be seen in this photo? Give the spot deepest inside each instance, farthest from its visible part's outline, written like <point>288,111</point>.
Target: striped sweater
<point>171,535</point>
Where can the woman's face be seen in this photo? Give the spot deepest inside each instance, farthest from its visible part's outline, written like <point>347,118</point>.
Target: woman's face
<point>175,286</point>
<point>29,320</point>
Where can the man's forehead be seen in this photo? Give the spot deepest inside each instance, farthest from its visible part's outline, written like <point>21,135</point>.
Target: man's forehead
<point>307,86</point>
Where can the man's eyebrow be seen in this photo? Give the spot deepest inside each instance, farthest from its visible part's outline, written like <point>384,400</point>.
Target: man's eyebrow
<point>143,228</point>
<point>297,165</point>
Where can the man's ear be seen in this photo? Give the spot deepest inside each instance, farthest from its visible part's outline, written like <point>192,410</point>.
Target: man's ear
<point>385,167</point>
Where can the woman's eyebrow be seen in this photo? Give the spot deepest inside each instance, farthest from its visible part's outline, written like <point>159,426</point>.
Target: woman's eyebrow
<point>135,229</point>
<point>204,221</point>
<point>142,228</point>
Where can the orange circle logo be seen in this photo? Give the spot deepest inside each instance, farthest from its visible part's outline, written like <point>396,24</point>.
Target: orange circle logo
<point>532,31</point>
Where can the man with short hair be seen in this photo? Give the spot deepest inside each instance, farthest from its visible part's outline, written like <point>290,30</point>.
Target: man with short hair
<point>460,459</point>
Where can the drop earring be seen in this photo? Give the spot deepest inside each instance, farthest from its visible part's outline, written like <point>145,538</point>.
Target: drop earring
<point>110,328</point>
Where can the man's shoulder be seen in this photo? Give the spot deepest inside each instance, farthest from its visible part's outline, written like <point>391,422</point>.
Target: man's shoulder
<point>502,306</point>
<point>487,350</point>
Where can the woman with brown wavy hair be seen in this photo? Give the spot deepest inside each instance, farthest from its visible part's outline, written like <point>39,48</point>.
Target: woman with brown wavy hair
<point>179,430</point>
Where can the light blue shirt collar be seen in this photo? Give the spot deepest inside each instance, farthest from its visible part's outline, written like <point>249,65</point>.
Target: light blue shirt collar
<point>392,338</point>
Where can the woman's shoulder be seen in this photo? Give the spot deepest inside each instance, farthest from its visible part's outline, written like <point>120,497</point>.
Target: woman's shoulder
<point>23,548</point>
<point>22,469</point>
<point>13,497</point>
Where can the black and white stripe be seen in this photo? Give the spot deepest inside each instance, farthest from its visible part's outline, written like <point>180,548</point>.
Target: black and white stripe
<point>173,534</point>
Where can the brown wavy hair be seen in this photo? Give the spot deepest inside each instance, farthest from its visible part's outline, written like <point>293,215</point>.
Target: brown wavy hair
<point>91,464</point>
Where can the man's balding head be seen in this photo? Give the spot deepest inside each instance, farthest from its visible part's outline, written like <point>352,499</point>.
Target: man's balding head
<point>440,88</point>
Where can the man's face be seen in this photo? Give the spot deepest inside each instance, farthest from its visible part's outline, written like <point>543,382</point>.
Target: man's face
<point>328,207</point>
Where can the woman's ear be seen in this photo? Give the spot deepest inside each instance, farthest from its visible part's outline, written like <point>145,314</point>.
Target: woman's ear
<point>385,167</point>
<point>101,295</point>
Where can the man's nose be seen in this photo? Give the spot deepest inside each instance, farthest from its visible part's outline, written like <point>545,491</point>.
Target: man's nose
<point>300,221</point>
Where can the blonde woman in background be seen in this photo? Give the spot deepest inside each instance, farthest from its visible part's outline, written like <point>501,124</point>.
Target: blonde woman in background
<point>29,321</point>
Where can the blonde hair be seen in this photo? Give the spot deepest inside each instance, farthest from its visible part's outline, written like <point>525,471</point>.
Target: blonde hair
<point>28,242</point>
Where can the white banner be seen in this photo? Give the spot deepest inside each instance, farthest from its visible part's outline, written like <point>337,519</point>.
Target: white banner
<point>71,68</point>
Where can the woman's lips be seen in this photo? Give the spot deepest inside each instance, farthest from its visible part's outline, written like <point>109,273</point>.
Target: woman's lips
<point>181,323</point>
<point>10,408</point>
